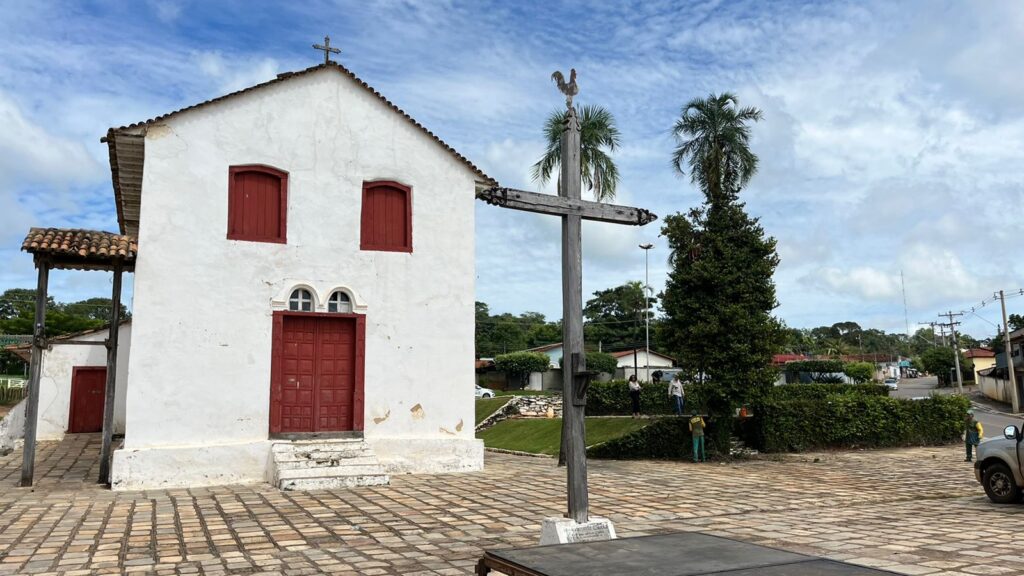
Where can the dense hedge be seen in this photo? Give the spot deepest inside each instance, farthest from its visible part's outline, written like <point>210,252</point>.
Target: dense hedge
<point>611,398</point>
<point>815,366</point>
<point>663,438</point>
<point>854,421</point>
<point>817,391</point>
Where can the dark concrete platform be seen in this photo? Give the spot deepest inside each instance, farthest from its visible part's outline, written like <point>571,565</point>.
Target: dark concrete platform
<point>679,554</point>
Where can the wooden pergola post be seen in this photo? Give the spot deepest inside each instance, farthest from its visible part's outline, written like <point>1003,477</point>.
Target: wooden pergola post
<point>35,371</point>
<point>110,392</point>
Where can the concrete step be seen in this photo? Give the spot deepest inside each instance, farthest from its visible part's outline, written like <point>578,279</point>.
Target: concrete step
<point>319,445</point>
<point>335,472</point>
<point>297,463</point>
<point>332,483</point>
<point>320,464</point>
<point>346,452</point>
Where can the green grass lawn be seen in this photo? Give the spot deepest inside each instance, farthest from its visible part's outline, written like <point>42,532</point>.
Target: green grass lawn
<point>524,392</point>
<point>487,406</point>
<point>543,435</point>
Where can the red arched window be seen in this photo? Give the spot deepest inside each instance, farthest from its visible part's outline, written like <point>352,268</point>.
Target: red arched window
<point>257,204</point>
<point>387,217</point>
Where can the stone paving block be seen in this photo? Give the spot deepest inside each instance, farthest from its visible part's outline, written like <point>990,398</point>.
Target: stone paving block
<point>903,510</point>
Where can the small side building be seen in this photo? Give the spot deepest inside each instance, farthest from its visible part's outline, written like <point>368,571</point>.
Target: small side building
<point>73,381</point>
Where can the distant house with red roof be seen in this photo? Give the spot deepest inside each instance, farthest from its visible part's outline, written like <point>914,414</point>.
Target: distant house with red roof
<point>982,358</point>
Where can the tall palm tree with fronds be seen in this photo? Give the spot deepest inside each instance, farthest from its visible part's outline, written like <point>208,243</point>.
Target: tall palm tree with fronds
<point>598,136</point>
<point>712,143</point>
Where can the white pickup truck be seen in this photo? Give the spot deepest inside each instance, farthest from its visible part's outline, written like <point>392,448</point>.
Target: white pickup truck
<point>998,467</point>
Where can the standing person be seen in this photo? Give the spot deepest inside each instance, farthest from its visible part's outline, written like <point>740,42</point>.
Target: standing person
<point>675,394</point>
<point>697,430</point>
<point>973,433</point>
<point>634,395</point>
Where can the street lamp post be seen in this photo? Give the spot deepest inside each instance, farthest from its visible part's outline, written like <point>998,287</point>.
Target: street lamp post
<point>647,302</point>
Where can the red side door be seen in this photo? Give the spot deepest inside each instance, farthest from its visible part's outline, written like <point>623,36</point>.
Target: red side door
<point>315,390</point>
<point>88,387</point>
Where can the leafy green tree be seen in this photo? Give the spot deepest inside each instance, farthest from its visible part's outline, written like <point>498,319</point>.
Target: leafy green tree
<point>598,137</point>
<point>834,347</point>
<point>713,142</point>
<point>796,341</point>
<point>718,300</point>
<point>615,317</point>
<point>546,333</point>
<point>519,365</point>
<point>503,333</point>
<point>939,361</point>
<point>17,316</point>
<point>720,294</point>
<point>860,371</point>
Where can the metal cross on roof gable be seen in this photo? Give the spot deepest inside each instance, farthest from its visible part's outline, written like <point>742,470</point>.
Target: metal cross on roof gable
<point>571,208</point>
<point>326,47</point>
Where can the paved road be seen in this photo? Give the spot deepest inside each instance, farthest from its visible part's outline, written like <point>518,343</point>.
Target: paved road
<point>989,417</point>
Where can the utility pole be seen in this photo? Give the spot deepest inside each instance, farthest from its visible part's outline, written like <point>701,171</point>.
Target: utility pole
<point>647,305</point>
<point>1015,393</point>
<point>956,349</point>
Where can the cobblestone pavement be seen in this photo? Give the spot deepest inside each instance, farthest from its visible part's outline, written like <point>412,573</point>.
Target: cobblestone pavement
<point>914,511</point>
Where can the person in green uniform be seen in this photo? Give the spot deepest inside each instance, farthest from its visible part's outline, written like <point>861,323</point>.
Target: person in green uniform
<point>973,433</point>
<point>697,430</point>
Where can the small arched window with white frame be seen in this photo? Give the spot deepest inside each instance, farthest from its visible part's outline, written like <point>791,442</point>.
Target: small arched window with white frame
<point>339,303</point>
<point>301,300</point>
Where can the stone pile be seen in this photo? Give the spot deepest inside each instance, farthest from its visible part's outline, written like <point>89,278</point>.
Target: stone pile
<point>526,407</point>
<point>537,406</point>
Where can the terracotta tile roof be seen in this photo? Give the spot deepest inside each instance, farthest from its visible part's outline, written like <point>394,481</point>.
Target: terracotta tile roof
<point>780,359</point>
<point>80,244</point>
<point>979,353</point>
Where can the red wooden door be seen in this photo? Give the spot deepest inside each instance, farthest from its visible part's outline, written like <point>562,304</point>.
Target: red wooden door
<point>317,379</point>
<point>88,386</point>
<point>298,376</point>
<point>335,382</point>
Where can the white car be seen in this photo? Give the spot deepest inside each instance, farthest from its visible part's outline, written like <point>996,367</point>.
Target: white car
<point>892,383</point>
<point>484,392</point>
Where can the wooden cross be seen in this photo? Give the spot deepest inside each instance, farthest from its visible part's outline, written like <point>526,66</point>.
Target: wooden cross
<point>575,378</point>
<point>326,47</point>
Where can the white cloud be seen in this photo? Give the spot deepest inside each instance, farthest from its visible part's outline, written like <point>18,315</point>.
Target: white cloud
<point>891,140</point>
<point>237,73</point>
<point>29,152</point>
<point>167,11</point>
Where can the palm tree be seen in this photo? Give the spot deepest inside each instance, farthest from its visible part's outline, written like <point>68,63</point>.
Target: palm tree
<point>598,133</point>
<point>712,141</point>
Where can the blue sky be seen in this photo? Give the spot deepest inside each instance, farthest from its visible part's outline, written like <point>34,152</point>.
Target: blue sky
<point>892,138</point>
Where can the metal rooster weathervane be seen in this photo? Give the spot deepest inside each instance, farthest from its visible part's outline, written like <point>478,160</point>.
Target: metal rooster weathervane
<point>570,89</point>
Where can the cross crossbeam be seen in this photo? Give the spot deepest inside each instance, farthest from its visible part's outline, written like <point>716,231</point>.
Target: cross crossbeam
<point>562,206</point>
<point>327,49</point>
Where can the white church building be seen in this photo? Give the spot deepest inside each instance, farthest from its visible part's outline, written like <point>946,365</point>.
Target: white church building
<point>305,256</point>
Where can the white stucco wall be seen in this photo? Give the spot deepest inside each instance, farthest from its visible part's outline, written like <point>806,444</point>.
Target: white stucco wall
<point>55,380</point>
<point>656,360</point>
<point>201,354</point>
